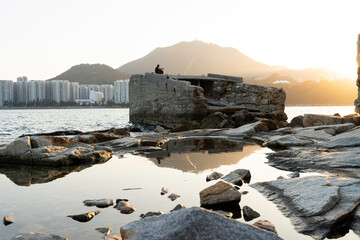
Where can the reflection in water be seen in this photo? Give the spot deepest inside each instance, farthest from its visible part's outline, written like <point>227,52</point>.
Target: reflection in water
<point>199,154</point>
<point>23,175</point>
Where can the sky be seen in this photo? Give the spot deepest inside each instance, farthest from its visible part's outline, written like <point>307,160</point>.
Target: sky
<point>43,38</point>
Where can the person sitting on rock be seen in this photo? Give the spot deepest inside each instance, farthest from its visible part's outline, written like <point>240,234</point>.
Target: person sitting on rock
<point>159,70</point>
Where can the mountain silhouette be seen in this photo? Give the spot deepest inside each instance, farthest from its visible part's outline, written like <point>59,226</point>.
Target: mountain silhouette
<point>196,58</point>
<point>92,74</point>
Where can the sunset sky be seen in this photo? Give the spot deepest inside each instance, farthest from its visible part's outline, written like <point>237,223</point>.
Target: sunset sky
<point>43,38</point>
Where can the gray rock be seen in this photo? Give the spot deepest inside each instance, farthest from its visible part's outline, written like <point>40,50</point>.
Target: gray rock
<point>318,119</point>
<point>355,224</point>
<point>297,121</point>
<point>346,139</point>
<point>38,236</point>
<point>213,176</point>
<point>173,196</point>
<point>125,207</point>
<point>280,178</point>
<point>100,203</point>
<point>313,134</point>
<point>178,207</point>
<point>8,220</point>
<point>105,231</point>
<point>164,191</point>
<point>85,217</point>
<point>192,223</point>
<point>218,193</point>
<point>315,204</point>
<point>249,213</point>
<point>266,225</point>
<point>216,120</point>
<point>160,129</point>
<point>238,176</point>
<point>286,141</point>
<point>294,175</point>
<point>15,149</point>
<point>151,214</point>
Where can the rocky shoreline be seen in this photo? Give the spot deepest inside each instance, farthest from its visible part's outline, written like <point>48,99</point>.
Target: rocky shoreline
<point>319,206</point>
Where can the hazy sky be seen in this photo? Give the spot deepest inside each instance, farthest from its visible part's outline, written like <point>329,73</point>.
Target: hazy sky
<point>43,38</point>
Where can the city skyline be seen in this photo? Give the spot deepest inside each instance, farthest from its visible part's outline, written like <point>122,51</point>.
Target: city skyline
<point>43,38</point>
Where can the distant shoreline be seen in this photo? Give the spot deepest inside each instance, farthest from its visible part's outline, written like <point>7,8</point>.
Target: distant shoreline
<point>64,107</point>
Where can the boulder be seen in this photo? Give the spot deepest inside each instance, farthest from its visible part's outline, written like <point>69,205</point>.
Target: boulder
<point>164,191</point>
<point>151,214</point>
<point>38,236</point>
<point>178,207</point>
<point>242,117</point>
<point>219,193</point>
<point>192,223</point>
<point>265,225</point>
<point>85,217</point>
<point>8,220</point>
<point>249,213</point>
<point>100,203</point>
<point>125,207</point>
<point>318,119</point>
<point>216,120</point>
<point>297,121</point>
<point>238,176</point>
<point>173,196</point>
<point>213,176</point>
<point>294,175</point>
<point>15,149</point>
<point>315,204</point>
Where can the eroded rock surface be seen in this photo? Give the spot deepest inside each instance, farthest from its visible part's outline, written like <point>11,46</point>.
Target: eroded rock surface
<point>218,193</point>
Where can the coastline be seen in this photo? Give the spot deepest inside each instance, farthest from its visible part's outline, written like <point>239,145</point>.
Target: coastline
<point>62,107</point>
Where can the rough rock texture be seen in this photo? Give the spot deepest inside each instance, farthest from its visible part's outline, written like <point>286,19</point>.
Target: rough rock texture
<point>8,220</point>
<point>297,121</point>
<point>265,225</point>
<point>216,120</point>
<point>357,101</point>
<point>213,176</point>
<point>286,141</point>
<point>85,217</point>
<point>218,193</point>
<point>192,223</point>
<point>318,119</point>
<point>249,213</point>
<point>100,203</point>
<point>178,207</point>
<point>125,207</point>
<point>173,101</point>
<point>151,214</point>
<point>38,236</point>
<point>314,204</point>
<point>238,176</point>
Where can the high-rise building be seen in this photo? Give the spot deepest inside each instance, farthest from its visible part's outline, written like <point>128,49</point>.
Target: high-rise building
<point>83,92</point>
<point>6,91</point>
<point>60,91</point>
<point>121,91</point>
<point>108,91</point>
<point>21,90</point>
<point>36,91</point>
<point>74,91</point>
<point>96,97</point>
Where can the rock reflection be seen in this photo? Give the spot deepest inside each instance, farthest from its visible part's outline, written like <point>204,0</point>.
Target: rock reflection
<point>27,175</point>
<point>199,154</point>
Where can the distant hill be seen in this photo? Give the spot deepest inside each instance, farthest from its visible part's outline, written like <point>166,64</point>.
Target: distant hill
<point>196,58</point>
<point>92,74</point>
<point>200,58</point>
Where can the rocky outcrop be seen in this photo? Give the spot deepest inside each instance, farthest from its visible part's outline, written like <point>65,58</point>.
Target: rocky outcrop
<point>357,101</point>
<point>38,236</point>
<point>316,204</point>
<point>173,101</point>
<point>192,223</point>
<point>318,119</point>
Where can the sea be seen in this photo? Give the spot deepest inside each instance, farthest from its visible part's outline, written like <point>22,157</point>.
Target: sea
<point>40,199</point>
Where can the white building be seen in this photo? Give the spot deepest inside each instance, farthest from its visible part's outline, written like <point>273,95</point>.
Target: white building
<point>83,92</point>
<point>108,91</point>
<point>121,91</point>
<point>21,90</point>
<point>60,91</point>
<point>96,97</point>
<point>74,91</point>
<point>36,91</point>
<point>6,91</point>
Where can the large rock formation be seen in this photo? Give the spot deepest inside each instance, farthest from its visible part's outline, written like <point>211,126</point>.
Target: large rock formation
<point>357,101</point>
<point>175,100</point>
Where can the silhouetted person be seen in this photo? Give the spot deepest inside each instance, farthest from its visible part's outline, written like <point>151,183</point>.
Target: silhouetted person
<point>159,70</point>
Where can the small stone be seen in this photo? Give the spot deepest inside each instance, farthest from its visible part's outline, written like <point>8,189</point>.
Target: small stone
<point>281,178</point>
<point>121,199</point>
<point>85,217</point>
<point>213,176</point>
<point>178,207</point>
<point>164,190</point>
<point>173,196</point>
<point>151,214</point>
<point>125,207</point>
<point>244,192</point>
<point>105,231</point>
<point>100,203</point>
<point>8,220</point>
<point>238,176</point>
<point>265,225</point>
<point>249,213</point>
<point>221,192</point>
<point>294,175</point>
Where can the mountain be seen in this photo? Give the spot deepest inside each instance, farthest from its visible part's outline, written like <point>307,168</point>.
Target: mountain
<point>92,74</point>
<point>196,58</point>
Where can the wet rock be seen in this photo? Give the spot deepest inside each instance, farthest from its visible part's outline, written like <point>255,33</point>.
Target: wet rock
<point>8,220</point>
<point>286,141</point>
<point>316,204</point>
<point>216,120</point>
<point>249,214</point>
<point>38,236</point>
<point>178,207</point>
<point>173,196</point>
<point>297,121</point>
<point>213,176</point>
<point>85,217</point>
<point>105,231</point>
<point>164,191</point>
<point>244,192</point>
<point>151,214</point>
<point>100,203</point>
<point>266,225</point>
<point>238,176</point>
<point>192,223</point>
<point>346,139</point>
<point>294,175</point>
<point>125,207</point>
<point>218,193</point>
<point>121,199</point>
<point>42,141</point>
<point>14,149</point>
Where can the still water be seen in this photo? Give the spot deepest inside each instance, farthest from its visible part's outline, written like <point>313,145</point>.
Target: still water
<point>39,199</point>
